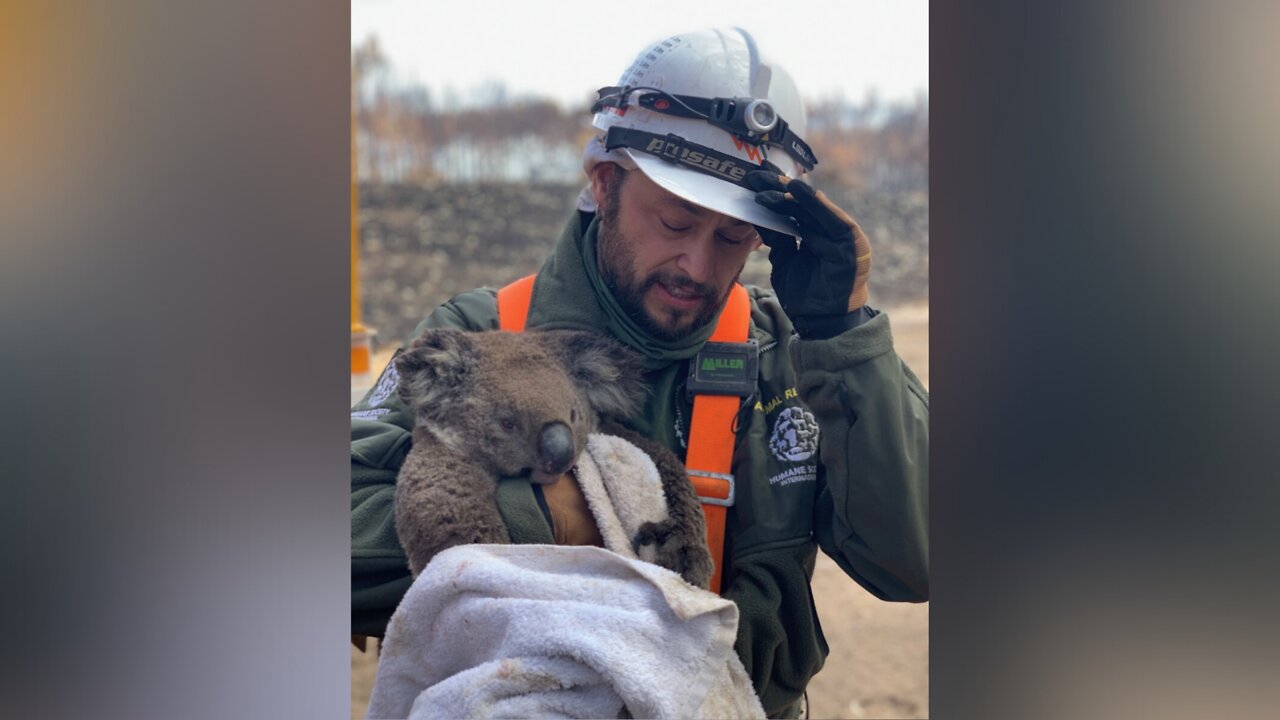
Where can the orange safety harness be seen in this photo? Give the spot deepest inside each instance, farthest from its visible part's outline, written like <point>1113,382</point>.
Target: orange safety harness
<point>709,458</point>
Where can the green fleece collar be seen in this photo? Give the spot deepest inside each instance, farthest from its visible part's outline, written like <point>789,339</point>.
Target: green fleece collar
<point>571,294</point>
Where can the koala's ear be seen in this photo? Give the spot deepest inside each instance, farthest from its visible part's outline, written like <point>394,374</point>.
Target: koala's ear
<point>609,374</point>
<point>438,362</point>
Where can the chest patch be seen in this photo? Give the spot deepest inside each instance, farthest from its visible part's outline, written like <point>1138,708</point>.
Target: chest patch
<point>795,435</point>
<point>797,474</point>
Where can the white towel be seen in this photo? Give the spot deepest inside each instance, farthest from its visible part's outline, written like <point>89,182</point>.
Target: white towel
<point>623,491</point>
<point>564,631</point>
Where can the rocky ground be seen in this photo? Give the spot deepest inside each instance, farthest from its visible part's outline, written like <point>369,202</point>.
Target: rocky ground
<point>423,245</point>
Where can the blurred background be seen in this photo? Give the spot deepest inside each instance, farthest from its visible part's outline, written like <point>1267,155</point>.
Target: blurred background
<point>469,121</point>
<point>173,229</point>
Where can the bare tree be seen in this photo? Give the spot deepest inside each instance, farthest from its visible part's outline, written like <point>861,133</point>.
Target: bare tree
<point>487,133</point>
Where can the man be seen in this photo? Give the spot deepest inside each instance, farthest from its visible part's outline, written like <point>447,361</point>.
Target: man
<point>693,170</point>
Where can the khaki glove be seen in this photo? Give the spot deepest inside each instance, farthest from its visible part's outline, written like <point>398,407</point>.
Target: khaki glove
<point>824,276</point>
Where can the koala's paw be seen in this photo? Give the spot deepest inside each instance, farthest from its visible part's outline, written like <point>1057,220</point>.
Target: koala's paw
<point>676,549</point>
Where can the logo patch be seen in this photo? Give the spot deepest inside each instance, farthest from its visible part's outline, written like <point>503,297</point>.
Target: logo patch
<point>717,364</point>
<point>373,414</point>
<point>722,166</point>
<point>795,435</point>
<point>801,473</point>
<point>386,385</point>
<point>753,152</point>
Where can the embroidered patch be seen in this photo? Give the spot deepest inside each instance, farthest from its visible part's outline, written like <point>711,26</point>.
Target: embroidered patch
<point>373,414</point>
<point>386,385</point>
<point>795,435</point>
<point>802,473</point>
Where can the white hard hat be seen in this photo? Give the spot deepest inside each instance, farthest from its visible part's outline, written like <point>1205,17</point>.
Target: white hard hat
<point>695,112</point>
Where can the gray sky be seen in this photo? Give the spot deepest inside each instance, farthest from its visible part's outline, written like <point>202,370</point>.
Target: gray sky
<point>567,49</point>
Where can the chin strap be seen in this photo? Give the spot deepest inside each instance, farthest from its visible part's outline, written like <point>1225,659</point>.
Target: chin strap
<point>709,459</point>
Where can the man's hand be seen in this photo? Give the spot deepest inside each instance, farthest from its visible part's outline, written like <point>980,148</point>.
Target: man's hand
<point>824,277</point>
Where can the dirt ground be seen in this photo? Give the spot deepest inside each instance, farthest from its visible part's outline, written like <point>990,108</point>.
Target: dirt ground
<point>879,662</point>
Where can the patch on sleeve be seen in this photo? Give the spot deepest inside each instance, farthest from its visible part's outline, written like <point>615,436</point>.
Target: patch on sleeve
<point>373,414</point>
<point>386,385</point>
<point>795,435</point>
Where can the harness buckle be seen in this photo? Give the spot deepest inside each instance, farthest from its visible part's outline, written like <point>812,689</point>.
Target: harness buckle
<point>711,500</point>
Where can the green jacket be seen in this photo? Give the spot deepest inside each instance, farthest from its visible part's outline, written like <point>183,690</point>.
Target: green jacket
<point>857,488</point>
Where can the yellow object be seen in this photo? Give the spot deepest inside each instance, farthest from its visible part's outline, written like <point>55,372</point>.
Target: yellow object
<point>361,352</point>
<point>361,336</point>
<point>355,233</point>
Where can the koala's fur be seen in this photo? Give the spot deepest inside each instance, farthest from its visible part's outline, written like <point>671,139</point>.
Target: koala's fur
<point>483,403</point>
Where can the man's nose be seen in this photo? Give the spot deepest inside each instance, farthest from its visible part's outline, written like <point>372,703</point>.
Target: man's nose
<point>698,259</point>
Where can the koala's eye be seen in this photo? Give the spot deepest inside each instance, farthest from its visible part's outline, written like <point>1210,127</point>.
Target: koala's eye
<point>508,424</point>
<point>573,414</point>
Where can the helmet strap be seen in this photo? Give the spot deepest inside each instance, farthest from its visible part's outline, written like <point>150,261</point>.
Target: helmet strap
<point>679,151</point>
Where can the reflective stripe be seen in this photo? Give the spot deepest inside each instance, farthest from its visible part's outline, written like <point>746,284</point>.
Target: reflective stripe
<point>725,499</point>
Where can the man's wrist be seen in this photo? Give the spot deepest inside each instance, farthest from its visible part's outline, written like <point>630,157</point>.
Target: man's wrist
<point>823,327</point>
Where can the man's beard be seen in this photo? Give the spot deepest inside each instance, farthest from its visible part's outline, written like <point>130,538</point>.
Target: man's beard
<point>617,268</point>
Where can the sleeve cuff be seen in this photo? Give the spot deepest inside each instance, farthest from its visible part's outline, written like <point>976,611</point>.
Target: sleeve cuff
<point>868,340</point>
<point>824,327</point>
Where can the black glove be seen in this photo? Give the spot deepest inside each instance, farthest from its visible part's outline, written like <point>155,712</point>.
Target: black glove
<point>822,280</point>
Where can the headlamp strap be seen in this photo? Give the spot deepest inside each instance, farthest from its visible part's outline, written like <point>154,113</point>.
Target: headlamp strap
<point>686,106</point>
<point>716,111</point>
<point>792,144</point>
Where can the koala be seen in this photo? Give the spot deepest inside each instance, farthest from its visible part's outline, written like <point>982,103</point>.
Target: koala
<point>491,405</point>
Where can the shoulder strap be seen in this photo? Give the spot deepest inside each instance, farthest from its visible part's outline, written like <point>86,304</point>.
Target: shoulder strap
<point>709,459</point>
<point>513,304</point>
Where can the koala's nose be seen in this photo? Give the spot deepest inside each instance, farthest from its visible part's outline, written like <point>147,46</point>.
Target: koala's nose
<point>555,448</point>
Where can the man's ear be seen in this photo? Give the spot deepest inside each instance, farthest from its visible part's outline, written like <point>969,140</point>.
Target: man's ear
<point>602,176</point>
<point>608,373</point>
<point>436,364</point>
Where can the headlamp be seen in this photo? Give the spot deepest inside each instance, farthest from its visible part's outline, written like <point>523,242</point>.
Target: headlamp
<point>760,116</point>
<point>751,119</point>
<point>744,116</point>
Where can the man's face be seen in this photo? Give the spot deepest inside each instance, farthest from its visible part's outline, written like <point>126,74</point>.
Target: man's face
<point>669,262</point>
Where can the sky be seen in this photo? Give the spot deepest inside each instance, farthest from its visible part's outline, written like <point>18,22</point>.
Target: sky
<point>568,48</point>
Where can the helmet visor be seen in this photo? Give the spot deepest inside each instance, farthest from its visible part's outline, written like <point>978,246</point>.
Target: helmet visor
<point>711,193</point>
